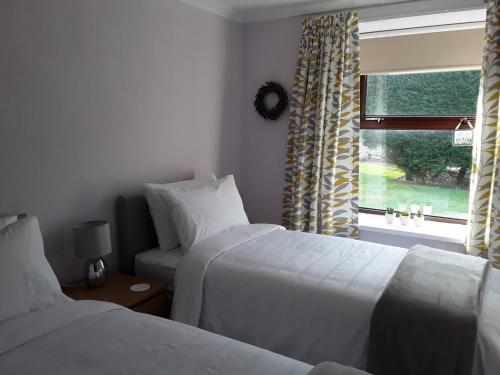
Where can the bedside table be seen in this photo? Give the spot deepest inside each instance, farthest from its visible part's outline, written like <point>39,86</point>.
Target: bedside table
<point>155,301</point>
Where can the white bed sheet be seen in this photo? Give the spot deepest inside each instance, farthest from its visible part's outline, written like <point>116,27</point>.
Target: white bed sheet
<point>89,337</point>
<point>158,264</point>
<point>306,296</point>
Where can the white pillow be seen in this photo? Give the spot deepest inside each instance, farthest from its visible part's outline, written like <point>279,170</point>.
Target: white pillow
<point>27,282</point>
<point>199,213</point>
<point>6,220</point>
<point>164,226</point>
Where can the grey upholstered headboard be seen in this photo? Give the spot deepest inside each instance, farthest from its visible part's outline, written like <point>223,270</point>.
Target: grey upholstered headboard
<point>136,232</point>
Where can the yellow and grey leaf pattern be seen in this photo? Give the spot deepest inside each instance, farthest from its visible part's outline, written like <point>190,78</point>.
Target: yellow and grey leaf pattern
<point>322,164</point>
<point>484,220</point>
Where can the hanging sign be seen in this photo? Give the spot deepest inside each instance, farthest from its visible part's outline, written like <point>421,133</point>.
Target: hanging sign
<point>463,137</point>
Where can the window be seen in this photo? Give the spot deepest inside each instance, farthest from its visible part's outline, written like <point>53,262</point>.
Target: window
<point>407,159</point>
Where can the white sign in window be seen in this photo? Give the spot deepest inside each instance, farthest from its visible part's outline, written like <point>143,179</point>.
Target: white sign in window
<point>463,138</point>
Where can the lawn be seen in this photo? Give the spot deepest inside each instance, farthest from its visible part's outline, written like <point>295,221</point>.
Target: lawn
<point>379,188</point>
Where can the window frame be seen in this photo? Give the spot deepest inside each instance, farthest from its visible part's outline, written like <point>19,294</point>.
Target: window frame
<point>407,123</point>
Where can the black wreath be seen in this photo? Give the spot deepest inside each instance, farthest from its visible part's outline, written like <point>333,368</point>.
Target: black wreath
<point>260,101</point>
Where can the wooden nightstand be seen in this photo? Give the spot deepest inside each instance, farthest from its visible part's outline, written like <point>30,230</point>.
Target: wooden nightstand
<point>155,301</point>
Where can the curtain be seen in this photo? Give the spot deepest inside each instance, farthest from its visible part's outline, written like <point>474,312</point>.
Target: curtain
<point>322,162</point>
<point>484,210</point>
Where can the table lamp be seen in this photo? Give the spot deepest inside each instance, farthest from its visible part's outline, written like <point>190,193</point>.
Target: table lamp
<point>92,241</point>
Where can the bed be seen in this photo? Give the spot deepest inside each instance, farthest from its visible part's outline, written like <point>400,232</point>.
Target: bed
<point>316,298</point>
<point>56,340</point>
<point>140,253</point>
<point>44,332</point>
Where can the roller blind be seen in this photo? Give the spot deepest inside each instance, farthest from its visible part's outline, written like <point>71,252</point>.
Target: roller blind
<point>422,52</point>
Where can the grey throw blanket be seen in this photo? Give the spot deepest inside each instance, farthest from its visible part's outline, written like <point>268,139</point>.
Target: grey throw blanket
<point>425,323</point>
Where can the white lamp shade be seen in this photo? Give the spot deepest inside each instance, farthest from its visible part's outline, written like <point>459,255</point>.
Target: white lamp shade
<point>92,239</point>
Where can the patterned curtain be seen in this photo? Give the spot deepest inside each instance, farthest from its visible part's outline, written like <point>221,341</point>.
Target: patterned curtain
<point>322,164</point>
<point>484,220</point>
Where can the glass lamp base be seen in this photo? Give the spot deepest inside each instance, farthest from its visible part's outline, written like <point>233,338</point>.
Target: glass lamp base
<point>95,272</point>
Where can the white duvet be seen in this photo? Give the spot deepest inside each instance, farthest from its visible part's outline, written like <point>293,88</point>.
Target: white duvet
<point>89,337</point>
<point>306,296</point>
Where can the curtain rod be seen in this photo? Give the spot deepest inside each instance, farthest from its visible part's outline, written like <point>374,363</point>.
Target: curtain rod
<point>396,10</point>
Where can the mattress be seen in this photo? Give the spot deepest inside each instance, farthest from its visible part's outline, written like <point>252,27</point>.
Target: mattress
<point>158,264</point>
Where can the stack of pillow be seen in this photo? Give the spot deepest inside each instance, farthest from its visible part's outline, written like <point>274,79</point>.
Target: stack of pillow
<point>188,212</point>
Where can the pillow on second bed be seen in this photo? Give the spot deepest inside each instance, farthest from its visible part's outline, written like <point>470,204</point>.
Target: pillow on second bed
<point>27,282</point>
<point>160,213</point>
<point>199,213</point>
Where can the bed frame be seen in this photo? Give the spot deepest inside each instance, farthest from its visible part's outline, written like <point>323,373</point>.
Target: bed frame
<point>136,232</point>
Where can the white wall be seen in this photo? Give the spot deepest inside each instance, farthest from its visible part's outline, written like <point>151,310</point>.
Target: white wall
<point>99,96</point>
<point>270,53</point>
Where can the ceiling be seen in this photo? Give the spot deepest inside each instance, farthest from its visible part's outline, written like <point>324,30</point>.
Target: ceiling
<point>245,5</point>
<point>260,10</point>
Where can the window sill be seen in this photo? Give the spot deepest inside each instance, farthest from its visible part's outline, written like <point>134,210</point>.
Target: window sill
<point>431,230</point>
